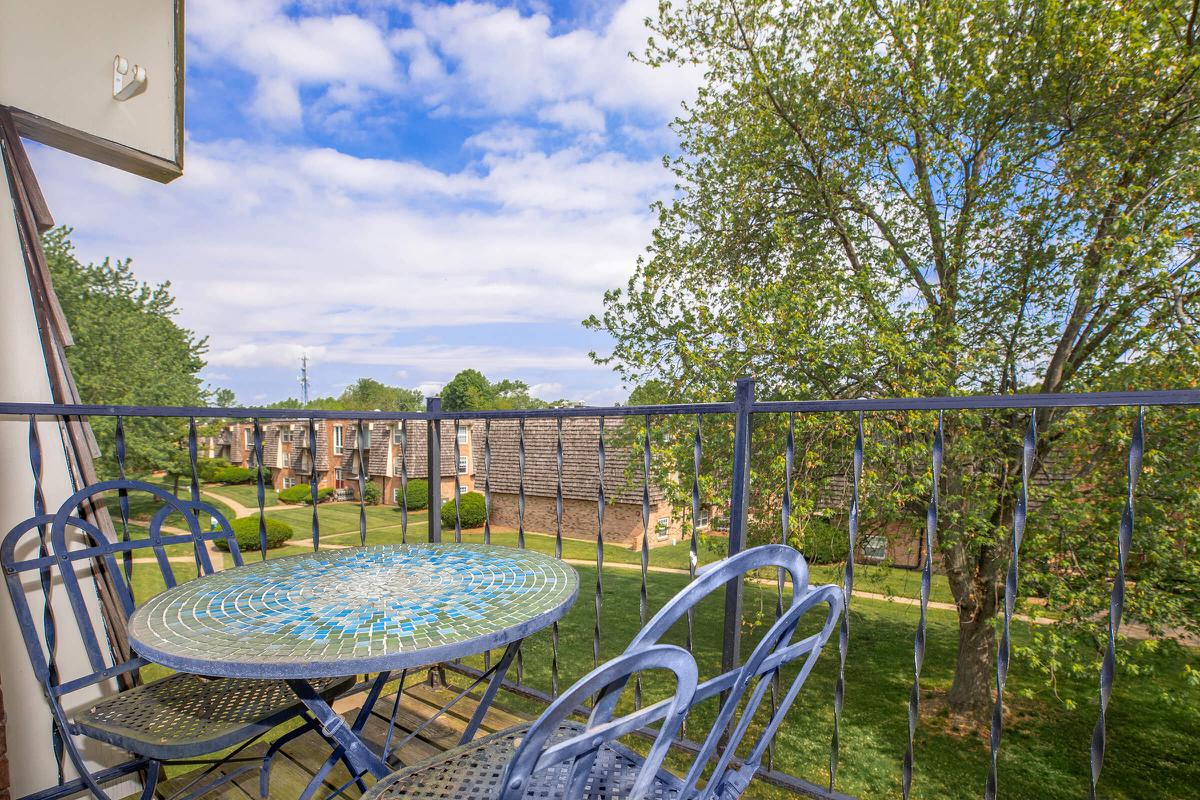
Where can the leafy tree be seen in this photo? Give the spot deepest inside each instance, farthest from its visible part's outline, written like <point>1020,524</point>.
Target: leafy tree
<point>470,390</point>
<point>898,199</point>
<point>365,394</point>
<point>128,350</point>
<point>368,394</point>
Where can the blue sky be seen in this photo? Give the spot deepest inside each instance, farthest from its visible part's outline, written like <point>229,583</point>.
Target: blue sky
<point>399,189</point>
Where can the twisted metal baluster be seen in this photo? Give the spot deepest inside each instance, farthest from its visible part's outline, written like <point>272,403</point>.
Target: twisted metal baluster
<point>312,482</point>
<point>914,697</point>
<point>839,691</point>
<point>261,488</point>
<point>643,595</point>
<point>520,526</point>
<point>487,506</point>
<point>558,517</point>
<point>363,444</point>
<point>49,627</point>
<point>1010,600</point>
<point>457,487</point>
<point>198,542</point>
<point>693,546</point>
<point>123,499</point>
<point>404,481</point>
<point>789,451</point>
<point>1116,605</point>
<point>521,483</point>
<point>600,459</point>
<point>487,481</point>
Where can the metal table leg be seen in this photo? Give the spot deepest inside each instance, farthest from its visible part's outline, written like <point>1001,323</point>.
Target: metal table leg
<point>489,694</point>
<point>357,754</point>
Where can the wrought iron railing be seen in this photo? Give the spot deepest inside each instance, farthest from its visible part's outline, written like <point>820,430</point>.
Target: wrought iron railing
<point>741,411</point>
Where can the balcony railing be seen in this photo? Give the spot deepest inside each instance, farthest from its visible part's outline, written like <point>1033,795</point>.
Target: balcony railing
<point>633,430</point>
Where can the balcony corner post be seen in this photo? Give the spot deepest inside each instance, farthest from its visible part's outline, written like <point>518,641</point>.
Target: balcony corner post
<point>738,511</point>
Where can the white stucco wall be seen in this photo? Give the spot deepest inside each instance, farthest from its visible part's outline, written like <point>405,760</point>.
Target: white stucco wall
<point>23,378</point>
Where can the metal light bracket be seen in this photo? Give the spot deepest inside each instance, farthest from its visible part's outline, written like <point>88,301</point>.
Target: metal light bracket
<point>129,80</point>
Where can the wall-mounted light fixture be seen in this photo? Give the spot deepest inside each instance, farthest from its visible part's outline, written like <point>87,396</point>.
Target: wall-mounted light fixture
<point>129,80</point>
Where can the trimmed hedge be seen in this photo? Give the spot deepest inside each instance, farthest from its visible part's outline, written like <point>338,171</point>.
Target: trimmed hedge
<point>233,475</point>
<point>245,529</point>
<point>417,494</point>
<point>823,543</point>
<point>205,467</point>
<point>472,510</point>
<point>302,493</point>
<point>295,494</point>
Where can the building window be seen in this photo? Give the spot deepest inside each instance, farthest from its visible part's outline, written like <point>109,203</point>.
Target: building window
<point>874,548</point>
<point>662,528</point>
<point>396,496</point>
<point>397,435</point>
<point>337,440</point>
<point>249,438</point>
<point>289,482</point>
<point>703,520</point>
<point>463,465</point>
<point>338,480</point>
<point>285,436</point>
<point>464,435</point>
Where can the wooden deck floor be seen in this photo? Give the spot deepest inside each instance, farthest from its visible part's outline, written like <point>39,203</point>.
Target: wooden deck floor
<point>300,759</point>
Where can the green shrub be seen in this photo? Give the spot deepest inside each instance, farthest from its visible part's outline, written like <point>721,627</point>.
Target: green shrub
<point>371,493</point>
<point>822,542</point>
<point>245,529</point>
<point>302,493</point>
<point>205,467</point>
<point>471,510</point>
<point>417,494</point>
<point>233,475</point>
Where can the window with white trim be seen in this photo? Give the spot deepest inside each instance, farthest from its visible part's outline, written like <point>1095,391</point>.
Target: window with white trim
<point>704,519</point>
<point>338,448</point>
<point>396,496</point>
<point>662,528</point>
<point>464,434</point>
<point>464,465</point>
<point>874,548</point>
<point>397,435</point>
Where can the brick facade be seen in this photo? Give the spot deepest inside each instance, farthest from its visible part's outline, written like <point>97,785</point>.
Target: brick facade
<point>622,521</point>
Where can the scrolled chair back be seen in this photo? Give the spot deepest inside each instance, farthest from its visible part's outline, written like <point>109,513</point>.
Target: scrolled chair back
<point>580,750</point>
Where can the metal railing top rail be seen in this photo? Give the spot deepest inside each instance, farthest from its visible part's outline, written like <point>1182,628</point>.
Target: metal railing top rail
<point>1166,397</point>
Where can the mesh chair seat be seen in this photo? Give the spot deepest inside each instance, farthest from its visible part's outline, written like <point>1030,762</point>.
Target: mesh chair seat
<point>474,771</point>
<point>184,715</point>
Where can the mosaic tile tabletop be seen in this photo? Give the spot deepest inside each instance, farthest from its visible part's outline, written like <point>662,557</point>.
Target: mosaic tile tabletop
<point>344,612</point>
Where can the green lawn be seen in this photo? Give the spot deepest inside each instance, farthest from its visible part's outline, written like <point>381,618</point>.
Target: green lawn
<point>142,506</point>
<point>245,493</point>
<point>1153,721</point>
<point>1045,748</point>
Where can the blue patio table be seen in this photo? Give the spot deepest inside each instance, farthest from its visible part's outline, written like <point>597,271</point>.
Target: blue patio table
<point>354,611</point>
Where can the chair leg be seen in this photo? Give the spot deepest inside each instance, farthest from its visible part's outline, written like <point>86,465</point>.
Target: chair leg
<point>264,775</point>
<point>153,770</point>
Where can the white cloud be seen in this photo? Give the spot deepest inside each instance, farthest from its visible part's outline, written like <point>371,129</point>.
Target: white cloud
<point>473,57</point>
<point>344,54</point>
<point>277,252</point>
<point>551,390</point>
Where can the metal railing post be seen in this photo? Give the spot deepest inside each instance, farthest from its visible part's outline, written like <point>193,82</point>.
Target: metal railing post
<point>738,509</point>
<point>433,461</point>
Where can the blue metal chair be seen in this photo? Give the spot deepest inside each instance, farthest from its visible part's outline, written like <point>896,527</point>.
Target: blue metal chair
<point>490,767</point>
<point>178,717</point>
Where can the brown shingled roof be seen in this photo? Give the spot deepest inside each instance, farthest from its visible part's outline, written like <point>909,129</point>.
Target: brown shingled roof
<point>580,463</point>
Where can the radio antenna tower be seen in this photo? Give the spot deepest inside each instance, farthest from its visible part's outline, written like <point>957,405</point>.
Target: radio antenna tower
<point>304,379</point>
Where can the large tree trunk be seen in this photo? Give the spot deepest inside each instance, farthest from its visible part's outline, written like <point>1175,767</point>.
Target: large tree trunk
<point>971,691</point>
